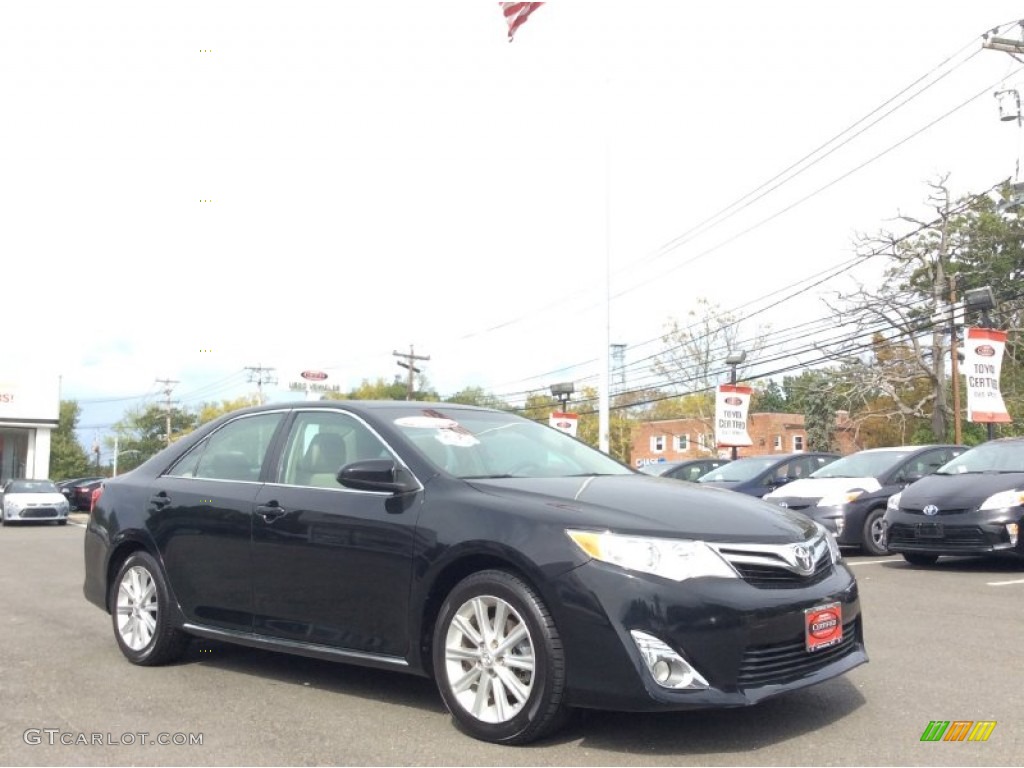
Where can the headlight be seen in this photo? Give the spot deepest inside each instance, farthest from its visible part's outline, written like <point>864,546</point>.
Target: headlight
<point>1002,500</point>
<point>894,501</point>
<point>676,559</point>
<point>838,499</point>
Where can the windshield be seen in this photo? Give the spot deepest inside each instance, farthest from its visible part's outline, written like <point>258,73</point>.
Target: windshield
<point>988,457</point>
<point>739,470</point>
<point>482,444</point>
<point>32,486</point>
<point>863,464</point>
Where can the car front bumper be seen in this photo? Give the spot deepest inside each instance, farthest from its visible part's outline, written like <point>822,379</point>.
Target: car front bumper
<point>48,512</point>
<point>968,533</point>
<point>747,642</point>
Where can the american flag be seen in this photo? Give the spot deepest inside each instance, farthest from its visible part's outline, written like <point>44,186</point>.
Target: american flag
<point>516,14</point>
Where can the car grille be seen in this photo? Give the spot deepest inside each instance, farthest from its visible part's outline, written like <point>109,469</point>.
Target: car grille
<point>772,577</point>
<point>966,537</point>
<point>793,503</point>
<point>786,662</point>
<point>773,566</point>
<point>36,513</point>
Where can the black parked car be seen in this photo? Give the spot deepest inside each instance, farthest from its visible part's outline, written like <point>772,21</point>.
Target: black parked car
<point>974,505</point>
<point>849,495</point>
<point>690,470</point>
<point>66,487</point>
<point>524,571</point>
<point>758,475</point>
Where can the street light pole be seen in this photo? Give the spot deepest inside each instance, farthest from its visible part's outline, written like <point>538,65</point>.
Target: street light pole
<point>734,359</point>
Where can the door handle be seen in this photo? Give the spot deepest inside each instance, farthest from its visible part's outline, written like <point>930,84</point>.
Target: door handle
<point>270,512</point>
<point>160,500</point>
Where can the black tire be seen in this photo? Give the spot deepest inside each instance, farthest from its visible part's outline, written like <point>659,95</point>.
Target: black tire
<point>872,534</point>
<point>518,701</point>
<point>142,628</point>
<point>62,522</point>
<point>916,558</point>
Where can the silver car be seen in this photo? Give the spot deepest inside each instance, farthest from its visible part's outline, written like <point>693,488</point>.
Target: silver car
<point>33,500</point>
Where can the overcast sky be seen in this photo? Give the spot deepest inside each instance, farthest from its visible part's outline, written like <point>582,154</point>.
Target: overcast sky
<point>192,188</point>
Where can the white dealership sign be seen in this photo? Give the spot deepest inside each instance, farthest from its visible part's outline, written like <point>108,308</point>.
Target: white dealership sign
<point>30,398</point>
<point>983,359</point>
<point>566,422</point>
<point>731,406</point>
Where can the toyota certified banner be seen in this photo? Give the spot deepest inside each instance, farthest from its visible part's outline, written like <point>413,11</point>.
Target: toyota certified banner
<point>983,358</point>
<point>731,407</point>
<point>564,421</point>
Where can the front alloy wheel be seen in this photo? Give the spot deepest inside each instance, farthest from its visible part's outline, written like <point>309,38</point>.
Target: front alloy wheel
<point>138,603</point>
<point>498,659</point>
<point>873,536</point>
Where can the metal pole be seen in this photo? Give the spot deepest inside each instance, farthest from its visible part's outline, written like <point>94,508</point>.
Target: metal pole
<point>955,363</point>
<point>732,380</point>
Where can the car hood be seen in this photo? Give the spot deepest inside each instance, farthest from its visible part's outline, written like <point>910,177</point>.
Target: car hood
<point>965,491</point>
<point>656,507</point>
<point>820,487</point>
<point>23,499</point>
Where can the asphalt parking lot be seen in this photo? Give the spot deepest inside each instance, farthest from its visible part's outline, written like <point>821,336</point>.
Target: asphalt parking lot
<point>946,643</point>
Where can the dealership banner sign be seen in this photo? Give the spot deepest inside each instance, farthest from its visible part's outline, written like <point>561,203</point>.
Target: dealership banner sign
<point>731,406</point>
<point>983,359</point>
<point>566,422</point>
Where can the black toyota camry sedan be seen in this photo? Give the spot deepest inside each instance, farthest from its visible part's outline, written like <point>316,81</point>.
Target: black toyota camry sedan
<point>525,572</point>
<point>973,505</point>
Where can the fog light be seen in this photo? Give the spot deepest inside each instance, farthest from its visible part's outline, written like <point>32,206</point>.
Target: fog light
<point>668,668</point>
<point>1011,529</point>
<point>840,524</point>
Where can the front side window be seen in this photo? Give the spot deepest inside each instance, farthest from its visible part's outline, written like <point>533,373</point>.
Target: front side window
<point>234,452</point>
<point>322,442</point>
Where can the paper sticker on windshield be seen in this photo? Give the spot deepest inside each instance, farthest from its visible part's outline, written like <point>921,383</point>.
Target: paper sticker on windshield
<point>460,439</point>
<point>449,431</point>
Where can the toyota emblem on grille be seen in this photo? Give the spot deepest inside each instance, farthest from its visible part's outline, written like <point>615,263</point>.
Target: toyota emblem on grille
<point>804,560</point>
<point>931,509</point>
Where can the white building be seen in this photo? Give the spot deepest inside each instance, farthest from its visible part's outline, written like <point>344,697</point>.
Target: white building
<point>29,411</point>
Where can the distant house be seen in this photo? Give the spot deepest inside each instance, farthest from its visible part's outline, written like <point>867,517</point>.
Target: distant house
<point>680,439</point>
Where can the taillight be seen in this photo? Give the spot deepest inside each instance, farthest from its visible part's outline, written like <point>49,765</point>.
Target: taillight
<point>95,497</point>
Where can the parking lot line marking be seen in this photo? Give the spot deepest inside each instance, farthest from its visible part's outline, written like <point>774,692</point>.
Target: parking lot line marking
<point>1004,583</point>
<point>869,562</point>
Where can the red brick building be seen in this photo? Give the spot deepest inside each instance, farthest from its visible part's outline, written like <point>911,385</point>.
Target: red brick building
<point>680,439</point>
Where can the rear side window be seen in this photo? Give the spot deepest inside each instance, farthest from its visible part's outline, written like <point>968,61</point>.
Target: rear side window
<point>234,452</point>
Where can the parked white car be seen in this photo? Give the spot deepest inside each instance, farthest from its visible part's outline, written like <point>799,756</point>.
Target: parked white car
<point>33,500</point>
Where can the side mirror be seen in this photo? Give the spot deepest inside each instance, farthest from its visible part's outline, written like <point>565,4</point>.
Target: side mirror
<point>382,475</point>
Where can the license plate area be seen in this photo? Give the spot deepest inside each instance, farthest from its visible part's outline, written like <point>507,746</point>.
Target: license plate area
<point>823,626</point>
<point>928,531</point>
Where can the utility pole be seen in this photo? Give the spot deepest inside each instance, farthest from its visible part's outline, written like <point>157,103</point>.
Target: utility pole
<point>958,435</point>
<point>168,406</point>
<point>410,366</point>
<point>256,374</point>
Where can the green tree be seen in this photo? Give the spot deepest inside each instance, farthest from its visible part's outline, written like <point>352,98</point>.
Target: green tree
<point>141,434</point>
<point>477,396</point>
<point>209,411</point>
<point>67,456</point>
<point>768,398</point>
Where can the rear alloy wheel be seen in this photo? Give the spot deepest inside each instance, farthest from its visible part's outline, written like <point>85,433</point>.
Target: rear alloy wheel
<point>498,660</point>
<point>915,558</point>
<point>139,605</point>
<point>873,535</point>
